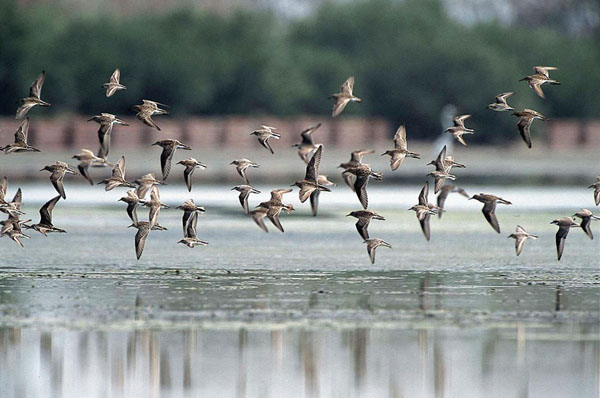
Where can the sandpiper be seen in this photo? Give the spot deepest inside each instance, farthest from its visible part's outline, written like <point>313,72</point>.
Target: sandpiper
<point>363,172</point>
<point>189,209</point>
<point>440,178</point>
<point>190,164</point>
<point>264,133</point>
<point>132,201</point>
<point>356,158</point>
<point>168,150</point>
<point>307,146</point>
<point>245,191</point>
<point>314,196</point>
<point>526,117</point>
<point>144,183</point>
<point>113,85</point>
<point>34,97</point>
<point>45,225</point>
<point>489,208</point>
<point>564,225</point>
<point>596,187</point>
<point>58,171</point>
<point>241,165</point>
<point>106,121</point>
<point>343,97</point>
<point>87,158</point>
<point>540,76</point>
<point>274,207</point>
<point>155,205</point>
<point>12,208</point>
<point>310,184</point>
<point>190,237</point>
<point>374,243</point>
<point>424,210</point>
<point>443,195</point>
<point>117,179</point>
<point>364,218</point>
<point>20,144</point>
<point>445,162</point>
<point>500,104</point>
<point>459,129</point>
<point>520,236</point>
<point>586,219</point>
<point>145,111</point>
<point>400,150</point>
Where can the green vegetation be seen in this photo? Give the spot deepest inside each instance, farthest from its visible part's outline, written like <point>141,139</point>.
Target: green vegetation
<point>409,58</point>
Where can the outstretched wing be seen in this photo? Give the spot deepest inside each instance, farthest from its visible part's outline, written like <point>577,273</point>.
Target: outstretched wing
<point>400,138</point>
<point>140,239</point>
<point>423,195</point>
<point>524,124</point>
<point>360,187</point>
<point>312,169</point>
<point>165,161</point>
<point>489,211</point>
<point>36,86</point>
<point>21,133</point>
<point>348,86</point>
<point>46,211</point>
<point>116,76</point>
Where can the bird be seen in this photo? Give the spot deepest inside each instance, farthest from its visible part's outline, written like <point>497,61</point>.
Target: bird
<point>540,76</point>
<point>113,85</point>
<point>500,104</point>
<point>445,162</point>
<point>245,191</point>
<point>445,190</point>
<point>274,206</point>
<point>241,165</point>
<point>20,144</point>
<point>132,201</point>
<point>526,118</point>
<point>586,218</point>
<point>264,133</point>
<point>58,171</point>
<point>489,208</point>
<point>189,209</point>
<point>9,207</point>
<point>14,223</point>
<point>34,97</point>
<point>520,236</point>
<point>190,237</point>
<point>564,225</point>
<point>190,164</point>
<point>87,158</point>
<point>424,210</point>
<point>343,97</point>
<point>155,205</point>
<point>314,196</point>
<point>440,178</point>
<point>310,184</point>
<point>364,218</point>
<point>374,243</point>
<point>596,187</point>
<point>306,147</point>
<point>363,172</point>
<point>356,158</point>
<point>45,225</point>
<point>106,121</point>
<point>147,109</point>
<point>117,179</point>
<point>144,183</point>
<point>168,150</point>
<point>143,230</point>
<point>400,150</point>
<point>459,129</point>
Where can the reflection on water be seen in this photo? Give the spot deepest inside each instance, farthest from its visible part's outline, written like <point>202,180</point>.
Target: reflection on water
<point>301,362</point>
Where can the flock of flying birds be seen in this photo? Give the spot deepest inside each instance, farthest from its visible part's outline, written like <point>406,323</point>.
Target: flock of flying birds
<point>356,174</point>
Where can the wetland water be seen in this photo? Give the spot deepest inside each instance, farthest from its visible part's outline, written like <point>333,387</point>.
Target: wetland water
<point>301,314</point>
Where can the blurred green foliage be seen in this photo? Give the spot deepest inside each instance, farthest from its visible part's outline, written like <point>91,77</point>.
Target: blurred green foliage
<point>409,59</point>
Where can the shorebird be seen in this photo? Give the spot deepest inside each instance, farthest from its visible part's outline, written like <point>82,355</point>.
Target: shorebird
<point>400,150</point>
<point>540,76</point>
<point>314,196</point>
<point>145,111</point>
<point>132,201</point>
<point>168,150</point>
<point>489,208</point>
<point>87,158</point>
<point>444,192</point>
<point>364,218</point>
<point>424,210</point>
<point>526,117</point>
<point>20,144</point>
<point>520,236</point>
<point>106,121</point>
<point>143,230</point>
<point>113,85</point>
<point>58,171</point>
<point>356,158</point>
<point>363,172</point>
<point>34,96</point>
<point>500,103</point>
<point>274,206</point>
<point>189,209</point>
<point>445,162</point>
<point>241,165</point>
<point>155,205</point>
<point>596,187</point>
<point>245,191</point>
<point>190,164</point>
<point>459,129</point>
<point>144,183</point>
<point>440,178</point>
<point>564,225</point>
<point>343,97</point>
<point>586,218</point>
<point>310,184</point>
<point>13,223</point>
<point>45,225</point>
<point>264,133</point>
<point>117,179</point>
<point>307,146</point>
<point>190,237</point>
<point>12,208</point>
<point>374,243</point>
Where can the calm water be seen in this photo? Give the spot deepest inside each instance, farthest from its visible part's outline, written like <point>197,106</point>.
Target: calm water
<point>301,314</point>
